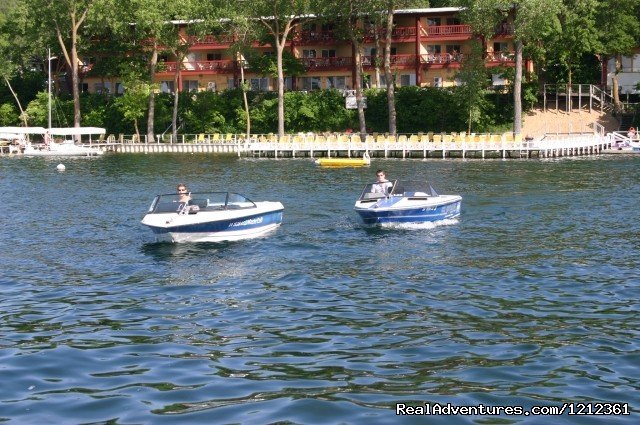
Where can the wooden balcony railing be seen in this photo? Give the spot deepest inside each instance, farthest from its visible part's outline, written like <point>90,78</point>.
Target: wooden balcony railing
<point>343,62</point>
<point>212,40</point>
<point>340,62</point>
<point>346,62</point>
<point>447,31</point>
<point>397,34</point>
<point>441,58</point>
<point>500,57</point>
<point>219,66</point>
<point>505,29</point>
<point>311,37</point>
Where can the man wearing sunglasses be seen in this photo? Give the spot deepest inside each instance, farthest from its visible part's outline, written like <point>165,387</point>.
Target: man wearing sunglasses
<point>382,185</point>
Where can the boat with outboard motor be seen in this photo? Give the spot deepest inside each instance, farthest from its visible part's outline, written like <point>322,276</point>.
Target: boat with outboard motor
<point>211,217</point>
<point>405,201</point>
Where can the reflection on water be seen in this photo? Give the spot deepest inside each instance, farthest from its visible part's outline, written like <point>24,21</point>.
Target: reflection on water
<point>529,298</point>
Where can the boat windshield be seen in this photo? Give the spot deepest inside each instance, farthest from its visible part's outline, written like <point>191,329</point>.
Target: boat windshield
<point>406,188</point>
<point>206,201</point>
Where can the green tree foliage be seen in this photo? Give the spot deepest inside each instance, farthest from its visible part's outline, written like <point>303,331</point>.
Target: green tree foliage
<point>278,18</point>
<point>419,110</point>
<point>475,80</point>
<point>13,50</point>
<point>351,19</point>
<point>8,115</point>
<point>530,20</point>
<point>133,104</point>
<point>64,21</point>
<point>620,33</point>
<point>574,34</point>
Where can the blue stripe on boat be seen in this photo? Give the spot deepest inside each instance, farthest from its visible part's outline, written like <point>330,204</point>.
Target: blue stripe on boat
<point>229,225</point>
<point>441,212</point>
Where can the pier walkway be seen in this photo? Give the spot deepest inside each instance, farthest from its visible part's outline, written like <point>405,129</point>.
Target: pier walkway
<point>428,145</point>
<point>454,145</point>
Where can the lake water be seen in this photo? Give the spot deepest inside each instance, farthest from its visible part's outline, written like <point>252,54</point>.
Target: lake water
<point>531,298</point>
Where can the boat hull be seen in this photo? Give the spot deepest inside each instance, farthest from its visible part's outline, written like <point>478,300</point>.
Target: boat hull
<point>216,226</point>
<point>344,162</point>
<point>63,151</point>
<point>405,210</point>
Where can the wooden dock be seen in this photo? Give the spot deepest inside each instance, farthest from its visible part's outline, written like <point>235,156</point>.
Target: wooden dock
<point>439,146</point>
<point>378,146</point>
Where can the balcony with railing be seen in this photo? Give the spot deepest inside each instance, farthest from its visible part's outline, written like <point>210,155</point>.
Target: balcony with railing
<point>211,41</point>
<point>345,63</point>
<point>398,34</point>
<point>505,30</point>
<point>314,37</point>
<point>448,32</point>
<point>403,61</point>
<point>209,67</point>
<point>441,59</point>
<point>327,64</point>
<point>500,58</point>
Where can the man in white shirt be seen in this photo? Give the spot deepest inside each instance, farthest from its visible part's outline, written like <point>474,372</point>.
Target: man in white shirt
<point>382,185</point>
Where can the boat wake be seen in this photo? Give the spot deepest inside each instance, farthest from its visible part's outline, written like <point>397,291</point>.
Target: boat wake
<point>417,226</point>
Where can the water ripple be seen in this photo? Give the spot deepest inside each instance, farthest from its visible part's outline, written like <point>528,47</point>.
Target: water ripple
<point>529,298</point>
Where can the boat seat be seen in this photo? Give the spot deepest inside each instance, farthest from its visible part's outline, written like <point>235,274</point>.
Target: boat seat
<point>201,203</point>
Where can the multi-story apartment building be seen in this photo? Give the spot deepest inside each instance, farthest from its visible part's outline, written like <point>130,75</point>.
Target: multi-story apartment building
<point>428,47</point>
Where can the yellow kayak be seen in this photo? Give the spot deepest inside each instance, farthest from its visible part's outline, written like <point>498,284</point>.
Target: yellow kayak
<point>344,162</point>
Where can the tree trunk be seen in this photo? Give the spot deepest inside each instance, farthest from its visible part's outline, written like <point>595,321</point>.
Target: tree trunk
<point>376,59</point>
<point>569,104</point>
<point>135,125</point>
<point>74,80</point>
<point>615,85</point>
<point>517,91</point>
<point>153,64</point>
<point>176,98</point>
<point>245,100</point>
<point>280,50</point>
<point>391,96</point>
<point>358,88</point>
<point>23,116</point>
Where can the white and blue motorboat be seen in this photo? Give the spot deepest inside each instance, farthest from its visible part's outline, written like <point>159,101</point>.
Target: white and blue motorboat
<point>211,217</point>
<point>405,201</point>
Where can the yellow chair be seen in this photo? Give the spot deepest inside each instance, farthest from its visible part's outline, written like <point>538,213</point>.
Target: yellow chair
<point>343,138</point>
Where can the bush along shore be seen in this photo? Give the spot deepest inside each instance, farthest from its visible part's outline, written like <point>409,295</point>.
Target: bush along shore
<point>418,110</point>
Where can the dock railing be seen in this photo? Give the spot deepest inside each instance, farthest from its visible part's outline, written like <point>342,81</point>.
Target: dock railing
<point>425,145</point>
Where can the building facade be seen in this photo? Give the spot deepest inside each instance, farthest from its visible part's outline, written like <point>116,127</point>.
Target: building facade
<point>428,47</point>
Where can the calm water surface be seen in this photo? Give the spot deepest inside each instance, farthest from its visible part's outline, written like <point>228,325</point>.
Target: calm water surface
<point>530,298</point>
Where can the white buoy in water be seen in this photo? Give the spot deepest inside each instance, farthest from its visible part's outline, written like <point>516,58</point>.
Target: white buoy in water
<point>60,167</point>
